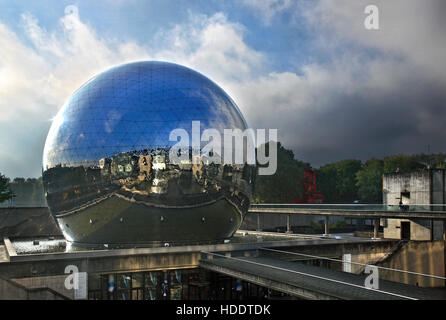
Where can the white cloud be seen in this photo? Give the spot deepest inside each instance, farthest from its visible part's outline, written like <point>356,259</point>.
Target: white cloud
<point>58,62</point>
<point>269,8</point>
<point>410,30</point>
<point>37,77</point>
<point>372,89</point>
<point>213,46</point>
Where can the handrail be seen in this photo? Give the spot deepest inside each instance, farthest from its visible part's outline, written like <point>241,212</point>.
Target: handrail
<point>311,275</point>
<point>356,263</point>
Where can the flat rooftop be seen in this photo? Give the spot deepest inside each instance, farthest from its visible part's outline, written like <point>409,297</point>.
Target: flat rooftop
<point>50,248</point>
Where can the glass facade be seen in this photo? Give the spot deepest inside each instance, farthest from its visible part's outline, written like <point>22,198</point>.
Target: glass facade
<point>181,284</point>
<point>106,169</point>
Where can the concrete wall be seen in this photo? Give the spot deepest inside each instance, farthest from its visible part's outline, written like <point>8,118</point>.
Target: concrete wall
<point>438,187</point>
<point>111,264</point>
<point>418,230</point>
<point>417,183</point>
<point>425,187</point>
<point>27,222</point>
<point>366,252</point>
<point>56,283</point>
<point>39,275</point>
<point>421,256</point>
<point>10,290</point>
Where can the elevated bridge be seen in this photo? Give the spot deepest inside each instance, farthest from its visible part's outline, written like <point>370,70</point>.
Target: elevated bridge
<point>307,281</point>
<point>369,211</point>
<point>361,211</point>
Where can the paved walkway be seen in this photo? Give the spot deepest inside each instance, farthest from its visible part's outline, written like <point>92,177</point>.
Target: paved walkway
<point>335,284</point>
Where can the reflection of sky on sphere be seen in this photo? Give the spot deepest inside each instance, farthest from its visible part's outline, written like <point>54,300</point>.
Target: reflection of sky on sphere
<point>134,107</point>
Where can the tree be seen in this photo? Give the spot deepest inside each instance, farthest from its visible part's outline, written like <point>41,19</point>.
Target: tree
<point>401,163</point>
<point>29,192</point>
<point>337,181</point>
<point>326,180</point>
<point>369,181</point>
<point>285,184</point>
<point>5,190</point>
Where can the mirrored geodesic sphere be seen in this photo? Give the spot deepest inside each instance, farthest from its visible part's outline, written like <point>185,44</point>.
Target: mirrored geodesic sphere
<point>106,169</point>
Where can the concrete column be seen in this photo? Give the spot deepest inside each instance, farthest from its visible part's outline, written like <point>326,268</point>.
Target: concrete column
<point>376,229</point>
<point>326,227</point>
<point>444,231</point>
<point>444,247</point>
<point>288,224</point>
<point>432,229</point>
<point>258,222</point>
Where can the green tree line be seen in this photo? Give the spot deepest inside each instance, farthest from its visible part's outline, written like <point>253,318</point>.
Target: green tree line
<point>349,180</point>
<point>5,189</point>
<point>27,192</point>
<point>285,184</point>
<point>340,182</point>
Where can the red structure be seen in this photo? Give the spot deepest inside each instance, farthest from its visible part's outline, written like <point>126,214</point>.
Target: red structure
<point>310,193</point>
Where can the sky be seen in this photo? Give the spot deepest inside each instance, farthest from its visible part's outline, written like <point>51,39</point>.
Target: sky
<point>309,68</point>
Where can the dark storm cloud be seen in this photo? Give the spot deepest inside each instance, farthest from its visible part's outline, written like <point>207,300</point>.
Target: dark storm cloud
<point>363,125</point>
<point>378,93</point>
<point>354,127</point>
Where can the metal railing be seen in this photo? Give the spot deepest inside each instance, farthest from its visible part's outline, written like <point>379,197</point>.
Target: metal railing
<point>340,282</point>
<point>353,207</point>
<point>355,263</point>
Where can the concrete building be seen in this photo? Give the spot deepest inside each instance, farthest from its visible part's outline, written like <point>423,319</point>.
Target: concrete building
<point>35,262</point>
<point>422,188</point>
